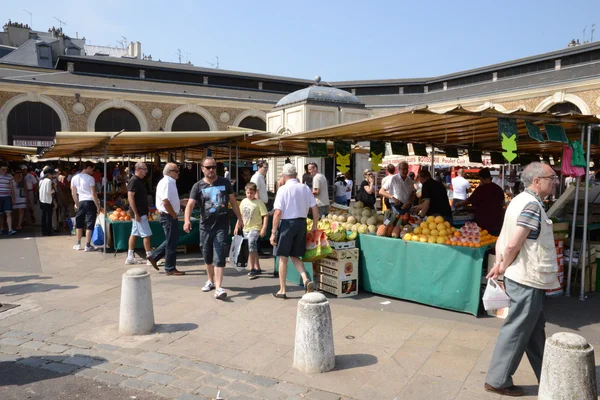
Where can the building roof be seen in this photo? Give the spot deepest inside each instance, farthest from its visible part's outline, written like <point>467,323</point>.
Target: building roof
<point>92,50</point>
<point>26,54</point>
<point>321,95</point>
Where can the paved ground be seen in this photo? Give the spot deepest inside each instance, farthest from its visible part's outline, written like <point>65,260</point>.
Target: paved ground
<point>68,311</point>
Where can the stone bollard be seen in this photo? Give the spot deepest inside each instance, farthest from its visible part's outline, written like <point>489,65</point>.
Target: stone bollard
<point>137,312</point>
<point>313,351</point>
<point>568,369</point>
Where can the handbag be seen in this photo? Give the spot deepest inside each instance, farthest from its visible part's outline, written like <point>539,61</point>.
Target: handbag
<point>238,252</point>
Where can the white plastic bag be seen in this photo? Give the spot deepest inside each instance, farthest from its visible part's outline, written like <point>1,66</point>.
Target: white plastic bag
<point>236,253</point>
<point>494,297</point>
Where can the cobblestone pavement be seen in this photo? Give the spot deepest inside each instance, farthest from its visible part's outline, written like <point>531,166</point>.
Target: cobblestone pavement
<point>67,321</point>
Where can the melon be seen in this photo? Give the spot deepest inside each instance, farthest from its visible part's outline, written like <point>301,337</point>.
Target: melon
<point>372,220</point>
<point>351,220</point>
<point>372,228</point>
<point>366,212</point>
<point>355,227</point>
<point>342,218</point>
<point>364,220</point>
<point>359,204</point>
<point>380,218</point>
<point>329,215</point>
<point>363,229</point>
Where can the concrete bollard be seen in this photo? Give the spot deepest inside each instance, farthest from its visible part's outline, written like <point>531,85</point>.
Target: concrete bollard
<point>137,313</point>
<point>313,351</point>
<point>568,369</point>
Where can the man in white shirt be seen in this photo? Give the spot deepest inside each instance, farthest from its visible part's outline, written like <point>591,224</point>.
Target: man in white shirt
<point>292,202</point>
<point>319,189</point>
<point>399,189</point>
<point>46,200</point>
<point>226,176</point>
<point>168,206</point>
<point>460,186</point>
<point>83,190</point>
<point>260,179</point>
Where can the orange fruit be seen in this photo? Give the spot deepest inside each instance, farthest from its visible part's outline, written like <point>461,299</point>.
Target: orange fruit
<point>456,234</point>
<point>484,232</point>
<point>478,245</point>
<point>448,242</point>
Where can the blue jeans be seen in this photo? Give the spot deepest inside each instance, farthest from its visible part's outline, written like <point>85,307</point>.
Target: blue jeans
<point>340,199</point>
<point>168,248</point>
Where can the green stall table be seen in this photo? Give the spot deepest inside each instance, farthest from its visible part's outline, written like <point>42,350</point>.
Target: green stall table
<point>438,275</point>
<point>119,232</point>
<point>292,275</point>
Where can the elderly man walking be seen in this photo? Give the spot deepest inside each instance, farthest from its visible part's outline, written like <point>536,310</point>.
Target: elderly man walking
<point>168,205</point>
<point>525,254</point>
<point>292,202</point>
<point>213,194</point>
<point>137,195</point>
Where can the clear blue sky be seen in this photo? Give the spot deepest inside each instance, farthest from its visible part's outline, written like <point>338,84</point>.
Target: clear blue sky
<point>339,40</point>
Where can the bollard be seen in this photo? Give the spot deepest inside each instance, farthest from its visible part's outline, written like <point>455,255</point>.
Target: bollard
<point>568,369</point>
<point>313,351</point>
<point>137,313</point>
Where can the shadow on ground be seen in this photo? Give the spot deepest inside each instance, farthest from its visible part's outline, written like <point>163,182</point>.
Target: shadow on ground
<point>21,289</point>
<point>572,313</point>
<point>170,328</point>
<point>23,278</point>
<point>349,361</point>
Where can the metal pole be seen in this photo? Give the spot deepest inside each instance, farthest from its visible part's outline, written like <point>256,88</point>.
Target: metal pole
<point>229,165</point>
<point>574,225</point>
<point>237,168</point>
<point>432,161</point>
<point>585,215</point>
<point>104,197</point>
<point>502,178</point>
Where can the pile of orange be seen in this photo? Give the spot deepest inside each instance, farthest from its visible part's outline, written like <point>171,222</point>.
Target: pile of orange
<point>471,235</point>
<point>119,215</point>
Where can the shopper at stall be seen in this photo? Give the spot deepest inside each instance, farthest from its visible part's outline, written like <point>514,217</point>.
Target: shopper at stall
<point>64,199</point>
<point>168,206</point>
<point>83,190</point>
<point>256,219</point>
<point>368,189</point>
<point>46,201</point>
<point>292,204</point>
<point>525,254</point>
<point>460,186</point>
<point>213,194</point>
<point>307,177</point>
<point>434,198</point>
<point>339,189</point>
<point>399,189</point>
<point>488,200</point>
<point>31,185</point>
<point>7,199</point>
<point>320,189</point>
<point>20,199</point>
<point>227,174</point>
<point>350,185</point>
<point>137,196</point>
<point>260,180</point>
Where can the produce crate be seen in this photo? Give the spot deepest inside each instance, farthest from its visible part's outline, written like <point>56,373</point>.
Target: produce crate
<point>347,269</point>
<point>344,254</point>
<point>343,245</point>
<point>335,286</point>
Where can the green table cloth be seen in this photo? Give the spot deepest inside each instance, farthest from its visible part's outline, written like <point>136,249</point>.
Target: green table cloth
<point>120,231</point>
<point>438,275</point>
<point>292,275</point>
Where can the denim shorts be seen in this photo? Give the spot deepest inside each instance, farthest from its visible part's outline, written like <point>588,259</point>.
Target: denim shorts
<point>214,246</point>
<point>142,228</point>
<point>5,204</point>
<point>252,238</point>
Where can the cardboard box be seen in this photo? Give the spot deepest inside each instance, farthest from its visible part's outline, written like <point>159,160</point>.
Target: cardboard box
<point>560,246</point>
<point>344,254</point>
<point>338,287</point>
<point>343,245</point>
<point>347,269</point>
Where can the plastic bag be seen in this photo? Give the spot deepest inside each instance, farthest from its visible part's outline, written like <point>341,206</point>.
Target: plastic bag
<point>238,252</point>
<point>494,297</point>
<point>566,165</point>
<point>98,233</point>
<point>317,246</point>
<point>578,159</point>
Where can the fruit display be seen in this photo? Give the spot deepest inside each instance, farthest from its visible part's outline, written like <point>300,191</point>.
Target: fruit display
<point>434,230</point>
<point>119,215</point>
<point>471,235</point>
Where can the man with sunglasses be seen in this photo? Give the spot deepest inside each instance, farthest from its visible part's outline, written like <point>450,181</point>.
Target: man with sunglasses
<point>526,256</point>
<point>213,195</point>
<point>168,206</point>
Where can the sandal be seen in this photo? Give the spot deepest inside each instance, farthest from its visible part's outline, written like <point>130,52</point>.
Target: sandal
<point>309,287</point>
<point>280,295</point>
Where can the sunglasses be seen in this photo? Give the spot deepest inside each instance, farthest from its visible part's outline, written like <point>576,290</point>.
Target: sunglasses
<point>210,166</point>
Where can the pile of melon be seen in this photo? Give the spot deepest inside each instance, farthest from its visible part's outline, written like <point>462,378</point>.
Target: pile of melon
<point>357,219</point>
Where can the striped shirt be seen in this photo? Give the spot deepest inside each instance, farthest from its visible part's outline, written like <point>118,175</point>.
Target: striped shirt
<point>5,181</point>
<point>531,217</point>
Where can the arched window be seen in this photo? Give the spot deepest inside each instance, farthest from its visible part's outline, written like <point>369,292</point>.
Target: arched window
<point>115,119</point>
<point>254,123</point>
<point>32,121</point>
<point>564,108</point>
<point>190,122</point>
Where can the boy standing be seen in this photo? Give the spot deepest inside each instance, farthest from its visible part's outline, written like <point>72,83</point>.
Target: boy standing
<point>256,218</point>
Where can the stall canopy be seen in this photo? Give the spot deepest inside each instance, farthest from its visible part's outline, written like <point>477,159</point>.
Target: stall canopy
<point>451,127</point>
<point>13,153</point>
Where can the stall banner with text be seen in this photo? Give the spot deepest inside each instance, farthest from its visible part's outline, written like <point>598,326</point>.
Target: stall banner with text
<point>377,153</point>
<point>317,149</point>
<point>342,155</point>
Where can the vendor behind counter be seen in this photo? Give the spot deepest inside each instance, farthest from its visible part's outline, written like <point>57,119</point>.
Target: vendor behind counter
<point>488,200</point>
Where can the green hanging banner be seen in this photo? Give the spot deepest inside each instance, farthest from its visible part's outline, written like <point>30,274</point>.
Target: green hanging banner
<point>508,127</point>
<point>556,133</point>
<point>343,153</point>
<point>534,132</point>
<point>420,149</point>
<point>377,153</point>
<point>451,152</point>
<point>475,156</point>
<point>399,148</point>
<point>317,149</point>
<point>496,158</point>
<point>509,145</point>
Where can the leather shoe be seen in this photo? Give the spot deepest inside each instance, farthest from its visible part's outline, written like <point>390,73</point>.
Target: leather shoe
<point>153,262</point>
<point>512,391</point>
<point>175,272</point>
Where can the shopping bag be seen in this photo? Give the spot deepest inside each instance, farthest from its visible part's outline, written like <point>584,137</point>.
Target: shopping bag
<point>566,166</point>
<point>70,225</point>
<point>578,159</point>
<point>317,246</point>
<point>98,233</point>
<point>494,297</point>
<point>238,252</point>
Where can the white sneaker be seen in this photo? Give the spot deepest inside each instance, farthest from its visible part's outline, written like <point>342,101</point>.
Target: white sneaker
<point>130,261</point>
<point>208,286</point>
<point>220,294</point>
<point>77,247</point>
<point>89,248</point>
<point>148,263</point>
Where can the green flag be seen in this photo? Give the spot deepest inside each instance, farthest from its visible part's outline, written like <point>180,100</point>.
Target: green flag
<point>534,132</point>
<point>317,149</point>
<point>508,126</point>
<point>377,153</point>
<point>399,148</point>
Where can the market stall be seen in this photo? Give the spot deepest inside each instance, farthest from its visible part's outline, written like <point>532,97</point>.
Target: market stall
<point>119,231</point>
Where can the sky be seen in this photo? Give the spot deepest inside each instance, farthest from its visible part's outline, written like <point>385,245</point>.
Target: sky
<point>338,40</point>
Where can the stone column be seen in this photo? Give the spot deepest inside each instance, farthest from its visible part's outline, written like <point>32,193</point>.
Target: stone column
<point>313,351</point>
<point>568,369</point>
<point>137,313</point>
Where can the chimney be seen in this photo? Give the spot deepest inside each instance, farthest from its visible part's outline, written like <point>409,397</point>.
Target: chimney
<point>150,57</point>
<point>76,35</point>
<point>137,50</point>
<point>130,49</point>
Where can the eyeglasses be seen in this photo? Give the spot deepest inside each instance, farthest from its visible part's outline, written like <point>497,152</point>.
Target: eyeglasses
<point>551,177</point>
<point>210,166</point>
